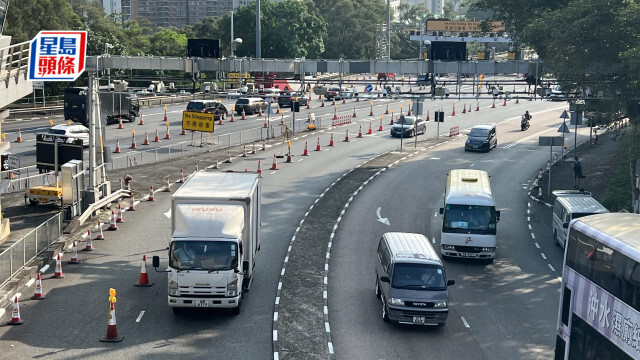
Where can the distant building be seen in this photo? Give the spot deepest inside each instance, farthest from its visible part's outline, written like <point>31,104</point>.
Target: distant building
<point>179,13</point>
<point>433,6</point>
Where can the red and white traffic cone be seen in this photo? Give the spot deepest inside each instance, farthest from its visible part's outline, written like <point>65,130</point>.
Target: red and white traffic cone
<point>306,151</point>
<point>100,235</point>
<point>464,109</point>
<point>264,145</point>
<point>504,102</point>
<point>244,116</point>
<point>19,139</point>
<point>477,106</point>
<point>89,245</point>
<point>74,255</point>
<point>289,160</point>
<point>493,106</point>
<point>132,204</point>
<point>143,280</point>
<point>354,113</point>
<point>453,113</point>
<point>58,272</point>
<point>146,139</point>
<point>360,132</point>
<point>331,141</point>
<point>540,175</point>
<point>371,111</point>
<point>37,294</point>
<point>151,194</point>
<point>15,314</point>
<point>167,136</point>
<point>157,138</point>
<point>259,170</point>
<point>167,186</point>
<point>244,151</point>
<point>120,126</point>
<point>133,141</point>
<point>120,218</point>
<point>275,163</point>
<point>113,225</point>
<point>183,132</point>
<point>346,135</point>
<point>141,120</point>
<point>318,148</point>
<point>380,128</point>
<point>112,328</point>
<point>369,132</point>
<point>117,150</point>
<point>386,112</point>
<point>181,181</point>
<point>253,148</point>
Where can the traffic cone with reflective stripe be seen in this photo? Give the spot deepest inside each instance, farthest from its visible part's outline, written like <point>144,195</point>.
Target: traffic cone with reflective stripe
<point>117,150</point>
<point>369,132</point>
<point>306,152</point>
<point>167,186</point>
<point>453,113</point>
<point>146,139</point>
<point>264,145</point>
<point>318,145</point>
<point>37,294</point>
<point>120,218</point>
<point>112,328</point>
<point>354,113</point>
<point>100,235</point>
<point>346,135</point>
<point>15,314</point>
<point>74,255</point>
<point>89,245</point>
<point>112,225</point>
<point>141,120</point>
<point>504,103</point>
<point>183,132</point>
<point>244,117</point>
<point>19,139</point>
<point>167,136</point>
<point>151,194</point>
<point>181,181</point>
<point>380,128</point>
<point>331,141</point>
<point>275,163</point>
<point>253,148</point>
<point>143,280</point>
<point>360,132</point>
<point>156,138</point>
<point>259,170</point>
<point>58,272</point>
<point>133,141</point>
<point>386,112</point>
<point>464,109</point>
<point>132,204</point>
<point>477,106</point>
<point>120,126</point>
<point>244,151</point>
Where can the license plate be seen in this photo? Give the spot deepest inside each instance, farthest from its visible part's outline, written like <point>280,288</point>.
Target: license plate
<point>418,320</point>
<point>43,200</point>
<point>468,254</point>
<point>475,146</point>
<point>202,303</point>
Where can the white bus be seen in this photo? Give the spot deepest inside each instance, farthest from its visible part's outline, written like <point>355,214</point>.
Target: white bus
<point>599,312</point>
<point>469,216</point>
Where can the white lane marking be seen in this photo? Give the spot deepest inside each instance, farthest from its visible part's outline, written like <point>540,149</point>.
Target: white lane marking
<point>380,218</point>
<point>538,246</point>
<point>464,321</point>
<point>167,214</point>
<point>435,158</point>
<point>530,228</point>
<point>30,282</point>
<point>552,269</point>
<point>533,236</point>
<point>435,214</point>
<point>433,240</point>
<point>140,316</point>
<point>543,256</point>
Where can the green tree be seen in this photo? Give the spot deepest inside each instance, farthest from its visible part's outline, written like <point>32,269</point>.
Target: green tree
<point>168,42</point>
<point>26,18</point>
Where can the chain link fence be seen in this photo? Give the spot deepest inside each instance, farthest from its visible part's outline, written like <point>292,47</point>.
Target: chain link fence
<point>20,253</point>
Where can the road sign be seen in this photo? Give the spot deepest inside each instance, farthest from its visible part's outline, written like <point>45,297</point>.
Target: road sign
<point>564,128</point>
<point>550,141</point>
<point>38,85</point>
<point>14,161</point>
<point>198,121</point>
<point>57,55</point>
<point>368,88</point>
<point>564,115</point>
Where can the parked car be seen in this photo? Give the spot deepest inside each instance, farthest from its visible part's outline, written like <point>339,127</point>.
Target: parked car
<point>69,133</point>
<point>408,126</point>
<point>332,92</point>
<point>250,105</point>
<point>481,138</point>
<point>200,105</point>
<point>285,99</point>
<point>218,109</point>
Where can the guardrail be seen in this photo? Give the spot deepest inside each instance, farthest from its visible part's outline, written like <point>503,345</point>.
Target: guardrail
<point>14,60</point>
<point>16,256</point>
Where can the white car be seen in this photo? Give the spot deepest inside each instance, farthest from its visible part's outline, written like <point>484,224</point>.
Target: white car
<point>70,133</point>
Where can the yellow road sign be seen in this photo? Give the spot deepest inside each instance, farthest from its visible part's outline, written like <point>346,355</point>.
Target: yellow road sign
<point>197,121</point>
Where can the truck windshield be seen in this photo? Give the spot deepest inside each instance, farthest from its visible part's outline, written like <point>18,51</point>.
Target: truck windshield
<point>418,277</point>
<point>469,219</point>
<point>203,255</point>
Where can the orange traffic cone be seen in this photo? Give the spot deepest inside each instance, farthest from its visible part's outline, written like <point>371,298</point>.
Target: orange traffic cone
<point>100,235</point>
<point>120,126</point>
<point>58,272</point>
<point>151,194</point>
<point>220,122</point>
<point>322,103</point>
<point>183,132</point>
<point>120,218</point>
<point>19,139</point>
<point>453,113</point>
<point>386,112</point>
<point>37,294</point>
<point>346,135</point>
<point>133,141</point>
<point>504,103</point>
<point>156,138</point>
<point>112,225</point>
<point>275,163</point>
<point>117,150</point>
<point>344,101</point>
<point>244,117</point>
<point>354,112</point>
<point>141,120</point>
<point>260,111</point>
<point>167,186</point>
<point>146,139</point>
<point>318,145</point>
<point>15,314</point>
<point>306,151</point>
<point>112,328</point>
<point>143,280</point>
<point>132,204</point>
<point>259,170</point>
<point>167,136</point>
<point>380,127</point>
<point>369,132</point>
<point>478,106</point>
<point>331,141</point>
<point>74,255</point>
<point>360,132</point>
<point>289,160</point>
<point>89,245</point>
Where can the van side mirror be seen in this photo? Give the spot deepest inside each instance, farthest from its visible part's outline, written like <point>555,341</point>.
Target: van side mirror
<point>155,261</point>
<point>385,279</point>
<point>497,215</point>
<point>450,282</point>
<point>565,225</point>
<point>441,211</point>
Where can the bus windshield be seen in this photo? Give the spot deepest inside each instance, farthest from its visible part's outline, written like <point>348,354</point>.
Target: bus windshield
<point>469,219</point>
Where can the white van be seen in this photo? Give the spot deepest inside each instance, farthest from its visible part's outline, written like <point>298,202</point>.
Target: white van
<point>569,206</point>
<point>411,281</point>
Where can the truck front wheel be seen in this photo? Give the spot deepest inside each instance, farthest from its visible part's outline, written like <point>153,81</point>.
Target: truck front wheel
<point>236,310</point>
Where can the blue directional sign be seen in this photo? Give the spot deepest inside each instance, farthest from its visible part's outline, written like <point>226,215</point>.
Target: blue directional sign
<point>368,88</point>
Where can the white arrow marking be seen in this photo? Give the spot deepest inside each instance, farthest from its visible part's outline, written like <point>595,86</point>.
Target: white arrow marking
<point>380,218</point>
<point>168,214</point>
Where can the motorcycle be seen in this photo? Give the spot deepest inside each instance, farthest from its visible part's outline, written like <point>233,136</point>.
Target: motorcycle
<point>524,123</point>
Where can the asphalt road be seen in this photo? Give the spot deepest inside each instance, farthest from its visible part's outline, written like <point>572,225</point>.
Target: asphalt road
<point>487,296</point>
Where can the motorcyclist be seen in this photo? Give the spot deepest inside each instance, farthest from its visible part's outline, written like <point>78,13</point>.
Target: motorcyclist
<point>527,116</point>
<point>524,123</point>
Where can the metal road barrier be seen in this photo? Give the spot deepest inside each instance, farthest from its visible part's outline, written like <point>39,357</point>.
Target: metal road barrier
<point>13,61</point>
<point>14,258</point>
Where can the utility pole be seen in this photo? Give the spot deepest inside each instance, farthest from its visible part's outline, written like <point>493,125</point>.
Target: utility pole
<point>388,29</point>
<point>258,30</point>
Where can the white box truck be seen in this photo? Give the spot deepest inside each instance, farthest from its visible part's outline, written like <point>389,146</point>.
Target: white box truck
<point>215,235</point>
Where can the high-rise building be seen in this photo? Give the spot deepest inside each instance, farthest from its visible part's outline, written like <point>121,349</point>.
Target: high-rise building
<point>178,13</point>
<point>433,6</point>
